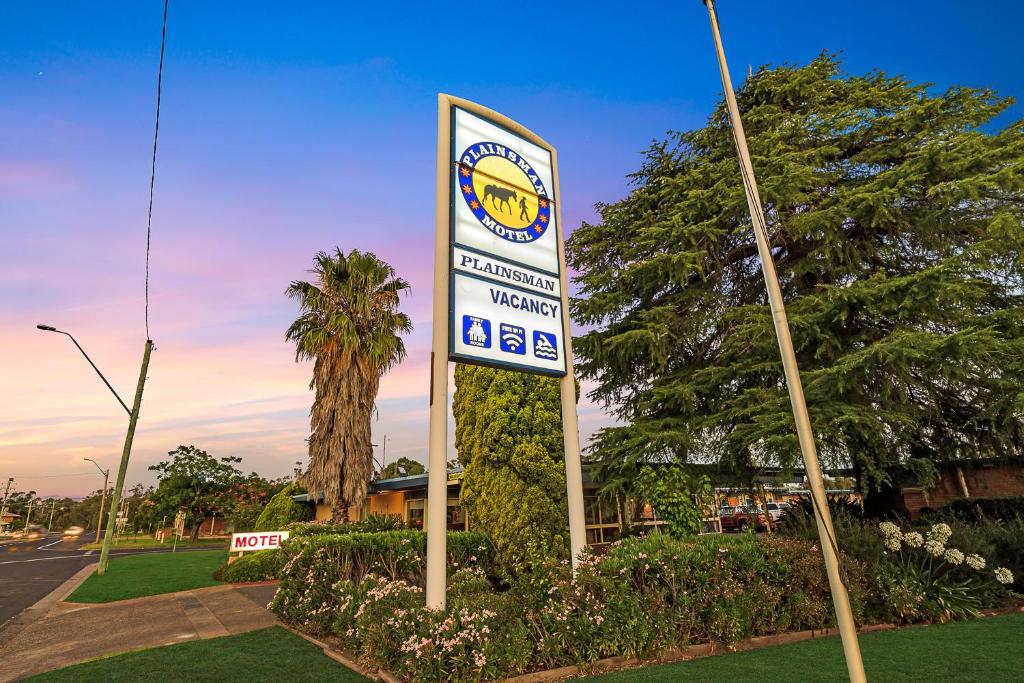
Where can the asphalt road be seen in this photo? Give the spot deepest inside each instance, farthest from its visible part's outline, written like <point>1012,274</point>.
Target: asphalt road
<point>30,570</point>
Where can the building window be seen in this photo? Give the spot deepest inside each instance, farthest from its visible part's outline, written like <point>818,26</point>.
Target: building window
<point>456,518</point>
<point>602,521</point>
<point>414,511</point>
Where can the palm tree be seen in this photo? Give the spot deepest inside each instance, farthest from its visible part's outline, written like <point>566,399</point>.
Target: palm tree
<point>349,325</point>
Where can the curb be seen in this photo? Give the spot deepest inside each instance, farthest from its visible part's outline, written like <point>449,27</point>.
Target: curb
<point>342,659</point>
<point>673,655</point>
<point>176,594</point>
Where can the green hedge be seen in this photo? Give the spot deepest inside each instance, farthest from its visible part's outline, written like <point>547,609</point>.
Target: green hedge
<point>282,510</point>
<point>371,524</point>
<point>971,509</point>
<point>266,565</point>
<point>262,565</point>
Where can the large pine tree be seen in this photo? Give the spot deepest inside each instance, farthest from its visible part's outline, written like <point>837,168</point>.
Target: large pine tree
<point>895,218</point>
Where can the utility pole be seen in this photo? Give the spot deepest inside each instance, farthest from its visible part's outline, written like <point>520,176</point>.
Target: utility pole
<point>7,493</point>
<point>28,515</point>
<point>125,455</point>
<point>823,518</point>
<point>103,496</point>
<point>53,505</point>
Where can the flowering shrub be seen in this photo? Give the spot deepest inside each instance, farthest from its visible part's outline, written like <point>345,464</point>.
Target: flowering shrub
<point>924,579</point>
<point>646,594</point>
<point>314,566</point>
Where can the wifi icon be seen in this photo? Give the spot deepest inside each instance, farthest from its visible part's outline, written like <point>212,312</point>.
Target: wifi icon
<point>512,339</point>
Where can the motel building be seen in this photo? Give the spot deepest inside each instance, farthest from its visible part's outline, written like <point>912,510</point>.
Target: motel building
<point>406,498</point>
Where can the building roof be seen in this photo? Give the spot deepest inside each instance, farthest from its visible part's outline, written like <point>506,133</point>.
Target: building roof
<point>412,481</point>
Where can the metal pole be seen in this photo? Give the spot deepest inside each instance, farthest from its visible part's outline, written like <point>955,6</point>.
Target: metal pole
<point>826,534</point>
<point>570,418</point>
<point>437,465</point>
<point>103,497</point>
<point>125,455</point>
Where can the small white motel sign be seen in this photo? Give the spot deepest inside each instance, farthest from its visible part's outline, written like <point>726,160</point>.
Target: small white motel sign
<point>257,540</point>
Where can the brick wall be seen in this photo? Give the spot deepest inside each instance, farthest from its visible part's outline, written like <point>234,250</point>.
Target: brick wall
<point>997,480</point>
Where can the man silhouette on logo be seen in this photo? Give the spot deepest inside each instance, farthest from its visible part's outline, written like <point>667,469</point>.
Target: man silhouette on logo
<point>523,215</point>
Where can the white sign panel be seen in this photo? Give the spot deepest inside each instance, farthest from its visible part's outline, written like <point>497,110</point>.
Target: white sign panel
<point>506,326</point>
<point>502,194</point>
<point>257,540</point>
<point>505,272</point>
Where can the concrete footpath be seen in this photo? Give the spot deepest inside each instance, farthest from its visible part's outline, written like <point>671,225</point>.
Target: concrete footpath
<point>53,634</point>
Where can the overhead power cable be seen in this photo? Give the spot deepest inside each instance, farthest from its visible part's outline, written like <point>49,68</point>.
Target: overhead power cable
<point>152,172</point>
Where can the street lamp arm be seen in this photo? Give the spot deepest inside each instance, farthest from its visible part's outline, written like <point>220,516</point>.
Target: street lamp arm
<point>102,471</point>
<point>47,328</point>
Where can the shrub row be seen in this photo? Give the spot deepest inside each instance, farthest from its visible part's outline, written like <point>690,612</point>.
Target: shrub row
<point>266,565</point>
<point>371,524</point>
<point>315,565</point>
<point>263,565</point>
<point>972,509</point>
<point>644,595</point>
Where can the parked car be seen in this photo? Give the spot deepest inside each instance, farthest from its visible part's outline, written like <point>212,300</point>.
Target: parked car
<point>73,531</point>
<point>742,518</point>
<point>777,510</point>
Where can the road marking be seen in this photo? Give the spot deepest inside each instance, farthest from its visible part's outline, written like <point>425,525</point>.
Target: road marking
<point>59,540</point>
<point>113,553</point>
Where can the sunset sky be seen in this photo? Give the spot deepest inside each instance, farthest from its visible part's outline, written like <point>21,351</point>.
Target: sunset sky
<point>293,127</point>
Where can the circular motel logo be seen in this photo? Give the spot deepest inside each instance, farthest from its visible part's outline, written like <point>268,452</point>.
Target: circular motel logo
<point>504,192</point>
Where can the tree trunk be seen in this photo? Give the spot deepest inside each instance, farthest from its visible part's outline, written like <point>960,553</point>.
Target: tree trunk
<point>339,514</point>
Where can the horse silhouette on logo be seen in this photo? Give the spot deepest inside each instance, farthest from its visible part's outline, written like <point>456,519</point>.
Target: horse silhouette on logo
<point>500,196</point>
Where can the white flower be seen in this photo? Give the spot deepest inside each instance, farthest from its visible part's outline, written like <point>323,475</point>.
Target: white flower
<point>954,557</point>
<point>1004,575</point>
<point>940,532</point>
<point>913,539</point>
<point>976,562</point>
<point>889,529</point>
<point>892,543</point>
<point>934,548</point>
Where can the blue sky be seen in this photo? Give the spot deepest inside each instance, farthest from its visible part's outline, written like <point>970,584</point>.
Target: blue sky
<point>279,122</point>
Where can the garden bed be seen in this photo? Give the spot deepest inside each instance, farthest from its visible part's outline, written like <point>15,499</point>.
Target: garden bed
<point>648,597</point>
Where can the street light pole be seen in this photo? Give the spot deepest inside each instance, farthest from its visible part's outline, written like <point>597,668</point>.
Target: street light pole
<point>125,455</point>
<point>103,496</point>
<point>50,328</point>
<point>133,418</point>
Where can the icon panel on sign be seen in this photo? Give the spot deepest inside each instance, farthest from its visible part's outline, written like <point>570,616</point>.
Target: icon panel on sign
<point>476,331</point>
<point>512,339</point>
<point>545,345</point>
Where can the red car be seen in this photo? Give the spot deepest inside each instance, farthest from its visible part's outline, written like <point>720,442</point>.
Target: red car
<point>742,518</point>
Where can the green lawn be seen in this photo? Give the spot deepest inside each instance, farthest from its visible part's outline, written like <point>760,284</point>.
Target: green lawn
<point>134,576</point>
<point>986,650</point>
<point>150,542</point>
<point>272,654</point>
